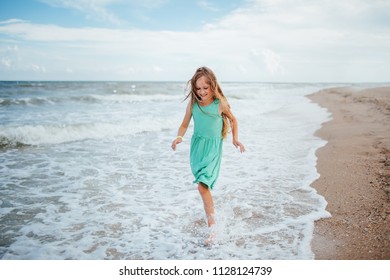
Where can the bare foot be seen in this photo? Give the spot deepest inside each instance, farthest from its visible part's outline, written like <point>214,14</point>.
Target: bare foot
<point>212,237</point>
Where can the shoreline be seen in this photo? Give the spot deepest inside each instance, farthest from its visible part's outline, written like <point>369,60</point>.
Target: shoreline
<point>354,168</point>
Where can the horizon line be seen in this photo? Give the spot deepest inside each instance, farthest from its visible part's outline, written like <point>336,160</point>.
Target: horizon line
<point>178,81</point>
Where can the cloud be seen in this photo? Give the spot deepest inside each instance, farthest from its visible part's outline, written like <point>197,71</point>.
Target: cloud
<point>269,61</point>
<point>207,5</point>
<point>6,62</point>
<point>157,68</point>
<point>12,59</point>
<point>92,9</point>
<point>272,61</point>
<point>38,68</point>
<point>53,33</point>
<point>12,20</point>
<point>9,56</point>
<point>102,11</point>
<point>148,4</point>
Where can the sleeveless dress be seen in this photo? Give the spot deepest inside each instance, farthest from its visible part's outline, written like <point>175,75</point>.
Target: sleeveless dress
<point>206,143</point>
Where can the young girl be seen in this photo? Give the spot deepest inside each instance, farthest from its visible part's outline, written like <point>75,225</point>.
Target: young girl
<point>212,116</point>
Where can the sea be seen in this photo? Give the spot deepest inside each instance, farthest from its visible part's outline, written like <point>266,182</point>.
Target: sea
<point>87,173</point>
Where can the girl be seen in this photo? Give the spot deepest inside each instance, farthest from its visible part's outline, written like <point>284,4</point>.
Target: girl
<point>212,116</point>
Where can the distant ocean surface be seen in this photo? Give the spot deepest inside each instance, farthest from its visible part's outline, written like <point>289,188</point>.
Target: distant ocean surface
<point>87,172</point>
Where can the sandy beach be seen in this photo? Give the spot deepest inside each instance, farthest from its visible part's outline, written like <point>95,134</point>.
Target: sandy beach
<point>354,169</point>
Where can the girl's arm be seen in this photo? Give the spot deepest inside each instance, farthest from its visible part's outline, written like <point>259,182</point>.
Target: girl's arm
<point>183,127</point>
<point>234,126</point>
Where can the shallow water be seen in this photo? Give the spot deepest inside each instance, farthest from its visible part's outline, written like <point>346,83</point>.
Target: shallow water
<point>87,172</point>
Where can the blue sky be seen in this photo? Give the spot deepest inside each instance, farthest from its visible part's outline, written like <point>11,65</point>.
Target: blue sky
<point>247,40</point>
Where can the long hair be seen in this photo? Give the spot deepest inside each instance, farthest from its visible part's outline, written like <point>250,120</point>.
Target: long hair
<point>215,88</point>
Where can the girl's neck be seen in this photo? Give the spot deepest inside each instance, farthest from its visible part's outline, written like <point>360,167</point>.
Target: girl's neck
<point>206,102</point>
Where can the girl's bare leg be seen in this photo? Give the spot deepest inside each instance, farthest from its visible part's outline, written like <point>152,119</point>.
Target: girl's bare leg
<point>208,203</point>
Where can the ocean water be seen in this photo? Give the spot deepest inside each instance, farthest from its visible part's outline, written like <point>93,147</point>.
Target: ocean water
<point>87,172</point>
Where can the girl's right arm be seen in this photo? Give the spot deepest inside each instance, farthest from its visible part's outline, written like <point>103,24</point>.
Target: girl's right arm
<point>183,127</point>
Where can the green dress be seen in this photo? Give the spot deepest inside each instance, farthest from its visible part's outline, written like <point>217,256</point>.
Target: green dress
<point>206,143</point>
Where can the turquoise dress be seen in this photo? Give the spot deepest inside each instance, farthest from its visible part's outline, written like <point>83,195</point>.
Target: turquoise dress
<point>206,143</point>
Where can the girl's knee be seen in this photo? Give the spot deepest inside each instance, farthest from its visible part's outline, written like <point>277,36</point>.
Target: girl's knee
<point>203,188</point>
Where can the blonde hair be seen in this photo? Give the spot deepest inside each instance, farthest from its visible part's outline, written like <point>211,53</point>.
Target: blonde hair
<point>215,88</point>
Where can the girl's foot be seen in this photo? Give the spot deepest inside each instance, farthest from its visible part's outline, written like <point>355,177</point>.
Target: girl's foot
<point>212,237</point>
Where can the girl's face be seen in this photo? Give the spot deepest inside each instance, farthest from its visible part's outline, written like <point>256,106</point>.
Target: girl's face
<point>203,89</point>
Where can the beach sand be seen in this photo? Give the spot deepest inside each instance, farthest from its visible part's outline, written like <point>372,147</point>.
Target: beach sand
<point>354,169</point>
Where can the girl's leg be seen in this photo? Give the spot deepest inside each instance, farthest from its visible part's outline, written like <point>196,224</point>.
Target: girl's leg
<point>207,202</point>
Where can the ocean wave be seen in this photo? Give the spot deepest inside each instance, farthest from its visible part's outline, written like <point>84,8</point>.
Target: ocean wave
<point>111,98</point>
<point>10,143</point>
<point>131,98</point>
<point>35,101</point>
<point>11,136</point>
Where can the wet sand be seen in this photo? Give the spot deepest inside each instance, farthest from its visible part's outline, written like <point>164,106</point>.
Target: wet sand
<point>354,169</point>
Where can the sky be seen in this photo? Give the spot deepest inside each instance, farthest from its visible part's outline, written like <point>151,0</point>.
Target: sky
<point>166,40</point>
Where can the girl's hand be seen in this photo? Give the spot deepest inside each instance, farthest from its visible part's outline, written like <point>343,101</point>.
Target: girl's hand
<point>238,144</point>
<point>178,140</point>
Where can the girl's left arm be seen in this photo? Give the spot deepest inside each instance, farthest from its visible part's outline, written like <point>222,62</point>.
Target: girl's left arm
<point>234,126</point>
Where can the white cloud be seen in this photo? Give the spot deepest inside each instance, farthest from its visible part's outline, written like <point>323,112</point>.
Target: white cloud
<point>272,61</point>
<point>37,68</point>
<point>100,10</point>
<point>12,20</point>
<point>207,5</point>
<point>157,69</point>
<point>6,62</point>
<point>242,69</point>
<point>13,59</point>
<point>92,9</point>
<point>9,56</point>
